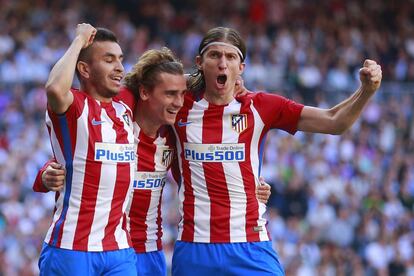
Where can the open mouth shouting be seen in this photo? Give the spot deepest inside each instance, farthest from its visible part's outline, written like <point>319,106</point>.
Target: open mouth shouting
<point>221,80</point>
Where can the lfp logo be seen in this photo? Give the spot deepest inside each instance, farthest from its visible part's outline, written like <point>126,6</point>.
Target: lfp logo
<point>117,153</point>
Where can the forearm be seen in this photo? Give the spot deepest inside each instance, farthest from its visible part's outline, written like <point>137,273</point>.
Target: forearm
<point>62,73</point>
<point>347,112</point>
<point>339,118</point>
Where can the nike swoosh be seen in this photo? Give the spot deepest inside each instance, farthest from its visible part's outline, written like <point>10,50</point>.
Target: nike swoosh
<point>181,124</point>
<point>97,123</point>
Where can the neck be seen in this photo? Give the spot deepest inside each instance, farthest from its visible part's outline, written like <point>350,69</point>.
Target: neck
<point>150,128</point>
<point>91,90</point>
<point>218,97</point>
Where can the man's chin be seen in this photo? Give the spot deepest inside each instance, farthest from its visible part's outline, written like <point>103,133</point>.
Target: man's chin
<point>113,92</point>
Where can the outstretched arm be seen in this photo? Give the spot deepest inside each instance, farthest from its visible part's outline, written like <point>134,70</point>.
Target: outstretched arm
<point>60,78</point>
<point>340,118</point>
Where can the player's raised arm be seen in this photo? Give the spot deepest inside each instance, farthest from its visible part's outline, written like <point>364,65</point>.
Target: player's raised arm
<point>61,76</point>
<point>339,118</point>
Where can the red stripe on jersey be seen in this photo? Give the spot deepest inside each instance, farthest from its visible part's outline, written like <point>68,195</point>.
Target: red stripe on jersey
<point>142,198</point>
<point>122,182</point>
<point>188,202</point>
<point>90,183</point>
<point>252,206</point>
<point>218,193</point>
<point>139,208</point>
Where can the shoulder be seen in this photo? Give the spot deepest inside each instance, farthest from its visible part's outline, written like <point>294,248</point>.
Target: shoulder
<point>261,96</point>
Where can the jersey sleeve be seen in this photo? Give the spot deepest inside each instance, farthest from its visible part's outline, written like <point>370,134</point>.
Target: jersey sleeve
<point>37,184</point>
<point>74,110</point>
<point>277,111</point>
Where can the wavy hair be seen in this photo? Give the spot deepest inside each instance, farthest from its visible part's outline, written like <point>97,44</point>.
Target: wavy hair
<point>148,68</point>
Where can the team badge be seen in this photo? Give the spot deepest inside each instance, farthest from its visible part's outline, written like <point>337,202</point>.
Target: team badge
<point>126,118</point>
<point>239,122</point>
<point>167,157</point>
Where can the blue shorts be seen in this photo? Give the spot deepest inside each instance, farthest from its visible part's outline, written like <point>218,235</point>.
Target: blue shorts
<point>59,261</point>
<point>243,258</point>
<point>151,263</point>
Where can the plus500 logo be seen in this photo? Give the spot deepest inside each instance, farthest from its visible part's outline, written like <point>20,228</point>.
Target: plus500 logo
<point>214,152</point>
<point>149,180</point>
<point>118,153</point>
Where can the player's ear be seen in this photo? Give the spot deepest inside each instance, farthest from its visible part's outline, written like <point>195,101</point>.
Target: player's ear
<point>143,93</point>
<point>241,67</point>
<point>83,69</point>
<point>198,61</point>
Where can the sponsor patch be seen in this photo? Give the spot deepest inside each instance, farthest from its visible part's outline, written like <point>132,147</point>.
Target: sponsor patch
<point>114,153</point>
<point>149,180</point>
<point>225,153</point>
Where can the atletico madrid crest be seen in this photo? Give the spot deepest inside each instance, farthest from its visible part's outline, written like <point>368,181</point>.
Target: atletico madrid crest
<point>126,118</point>
<point>167,156</point>
<point>239,122</point>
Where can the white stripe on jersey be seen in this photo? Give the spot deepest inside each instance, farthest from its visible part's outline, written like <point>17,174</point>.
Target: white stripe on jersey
<point>101,215</point>
<point>59,156</point>
<point>202,206</point>
<point>237,195</point>
<point>151,220</point>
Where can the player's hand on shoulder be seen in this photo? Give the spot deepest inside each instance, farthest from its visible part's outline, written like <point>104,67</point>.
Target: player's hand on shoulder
<point>239,89</point>
<point>263,191</point>
<point>53,178</point>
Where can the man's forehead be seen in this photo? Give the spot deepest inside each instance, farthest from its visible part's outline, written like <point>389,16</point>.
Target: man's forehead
<point>222,48</point>
<point>107,48</point>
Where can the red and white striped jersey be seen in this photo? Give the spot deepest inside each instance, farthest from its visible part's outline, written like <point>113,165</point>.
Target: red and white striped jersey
<point>154,157</point>
<point>220,151</point>
<point>95,142</point>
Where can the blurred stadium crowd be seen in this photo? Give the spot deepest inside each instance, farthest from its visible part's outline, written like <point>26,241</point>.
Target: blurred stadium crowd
<point>340,205</point>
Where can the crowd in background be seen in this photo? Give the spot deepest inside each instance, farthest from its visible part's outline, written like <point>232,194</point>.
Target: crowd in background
<point>340,205</point>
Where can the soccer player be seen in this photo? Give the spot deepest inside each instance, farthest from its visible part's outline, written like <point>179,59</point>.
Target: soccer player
<point>221,138</point>
<point>92,137</point>
<point>159,84</point>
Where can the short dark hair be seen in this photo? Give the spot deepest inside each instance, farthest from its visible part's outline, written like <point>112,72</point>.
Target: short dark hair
<point>102,35</point>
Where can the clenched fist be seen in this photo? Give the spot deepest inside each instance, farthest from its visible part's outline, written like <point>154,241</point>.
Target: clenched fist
<point>370,75</point>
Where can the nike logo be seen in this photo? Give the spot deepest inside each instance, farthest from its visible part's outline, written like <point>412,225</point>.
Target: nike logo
<point>181,123</point>
<point>97,123</point>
